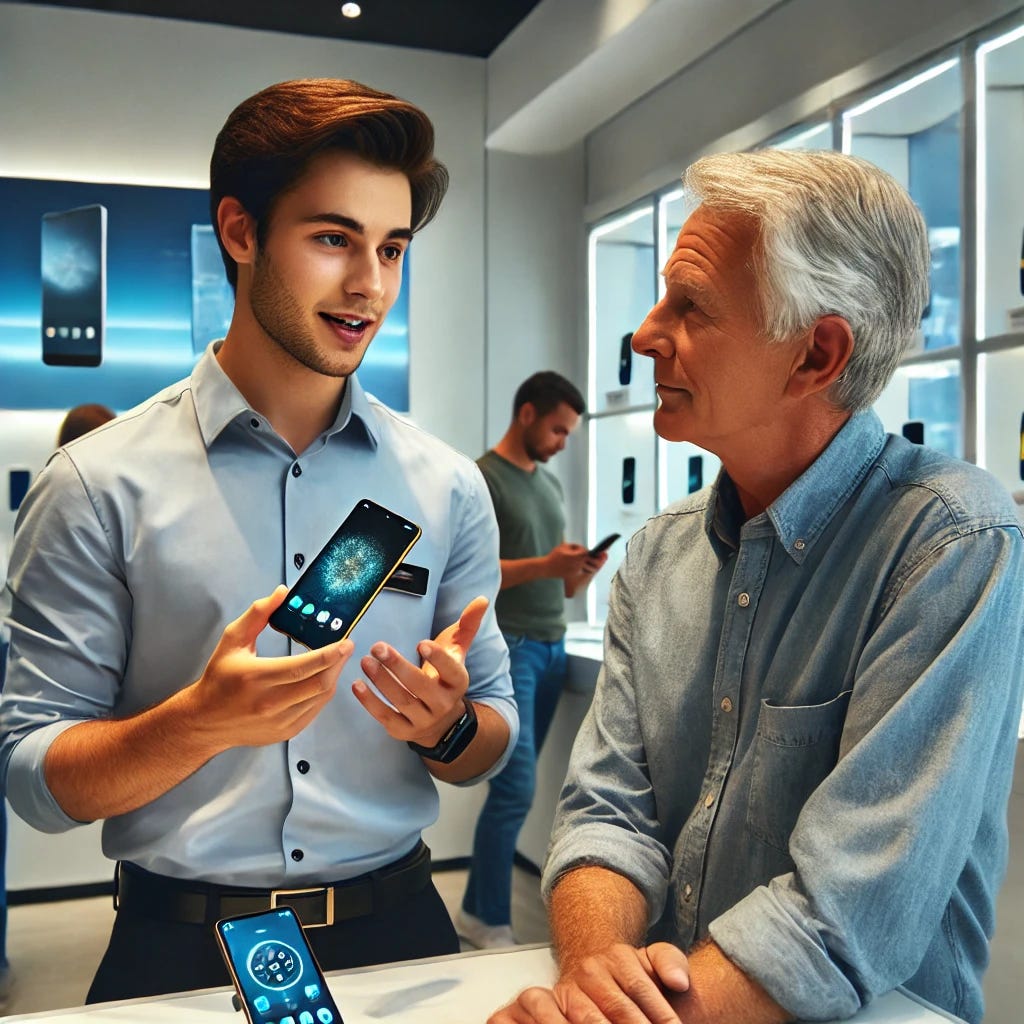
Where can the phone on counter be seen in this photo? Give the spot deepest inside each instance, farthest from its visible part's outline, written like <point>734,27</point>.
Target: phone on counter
<point>273,969</point>
<point>604,545</point>
<point>332,595</point>
<point>74,284</point>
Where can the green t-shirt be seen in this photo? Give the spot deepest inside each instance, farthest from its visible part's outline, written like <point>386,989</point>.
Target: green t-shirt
<point>531,521</point>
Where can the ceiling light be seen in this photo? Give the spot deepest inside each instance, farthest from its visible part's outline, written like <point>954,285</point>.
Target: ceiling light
<point>351,10</point>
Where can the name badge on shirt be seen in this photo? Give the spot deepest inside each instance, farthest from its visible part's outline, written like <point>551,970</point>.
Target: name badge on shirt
<point>409,579</point>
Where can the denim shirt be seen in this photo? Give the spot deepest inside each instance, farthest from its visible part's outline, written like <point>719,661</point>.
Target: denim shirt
<point>803,734</point>
<point>141,541</point>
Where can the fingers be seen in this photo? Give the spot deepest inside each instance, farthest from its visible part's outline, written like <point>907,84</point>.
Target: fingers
<point>532,1006</point>
<point>468,625</point>
<point>624,986</point>
<point>248,626</point>
<point>670,965</point>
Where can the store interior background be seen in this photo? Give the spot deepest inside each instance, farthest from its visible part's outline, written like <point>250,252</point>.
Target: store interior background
<point>587,107</point>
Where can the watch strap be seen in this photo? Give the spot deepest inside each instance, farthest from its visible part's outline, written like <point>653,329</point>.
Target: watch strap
<point>454,741</point>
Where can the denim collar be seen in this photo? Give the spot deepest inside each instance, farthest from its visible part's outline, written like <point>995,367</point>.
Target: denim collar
<point>800,514</point>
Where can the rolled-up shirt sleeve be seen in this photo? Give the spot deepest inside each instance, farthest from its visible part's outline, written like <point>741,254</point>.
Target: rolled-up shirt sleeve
<point>69,623</point>
<point>887,843</point>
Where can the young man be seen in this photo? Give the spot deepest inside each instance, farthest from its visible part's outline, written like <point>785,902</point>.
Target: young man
<point>232,769</point>
<point>538,571</point>
<point>797,763</point>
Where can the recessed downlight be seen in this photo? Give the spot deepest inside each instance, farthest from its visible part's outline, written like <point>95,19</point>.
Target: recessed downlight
<point>351,10</point>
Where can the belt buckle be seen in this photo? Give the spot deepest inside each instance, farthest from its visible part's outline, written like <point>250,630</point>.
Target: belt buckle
<point>328,893</point>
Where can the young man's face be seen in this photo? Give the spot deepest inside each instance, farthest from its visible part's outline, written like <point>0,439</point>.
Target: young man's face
<point>330,267</point>
<point>544,436</point>
<point>719,380</point>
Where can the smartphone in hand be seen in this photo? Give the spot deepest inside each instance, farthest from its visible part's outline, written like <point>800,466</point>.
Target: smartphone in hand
<point>273,969</point>
<point>332,595</point>
<point>603,545</point>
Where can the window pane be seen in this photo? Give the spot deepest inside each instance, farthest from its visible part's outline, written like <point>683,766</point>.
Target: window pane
<point>621,491</point>
<point>1001,415</point>
<point>1001,197</point>
<point>923,402</point>
<point>622,275</point>
<point>913,131</point>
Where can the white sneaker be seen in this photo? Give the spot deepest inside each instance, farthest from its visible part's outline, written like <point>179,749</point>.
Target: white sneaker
<point>482,935</point>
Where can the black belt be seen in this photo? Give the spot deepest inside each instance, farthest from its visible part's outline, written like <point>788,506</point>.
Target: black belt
<point>142,894</point>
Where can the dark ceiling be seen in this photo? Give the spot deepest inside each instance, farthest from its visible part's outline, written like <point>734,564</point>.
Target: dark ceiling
<point>470,27</point>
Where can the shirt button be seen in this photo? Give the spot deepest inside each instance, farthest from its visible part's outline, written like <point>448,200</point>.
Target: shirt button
<point>303,767</point>
<point>687,892</point>
<point>300,560</point>
<point>254,423</point>
<point>799,545</point>
<point>743,600</point>
<point>297,855</point>
<point>296,470</point>
<point>726,705</point>
<point>709,799</point>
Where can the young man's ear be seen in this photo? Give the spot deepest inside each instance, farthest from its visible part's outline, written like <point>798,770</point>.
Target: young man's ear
<point>822,358</point>
<point>237,230</point>
<point>527,414</point>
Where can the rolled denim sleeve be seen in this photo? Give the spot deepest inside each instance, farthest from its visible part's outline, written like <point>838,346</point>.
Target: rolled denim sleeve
<point>887,843</point>
<point>608,814</point>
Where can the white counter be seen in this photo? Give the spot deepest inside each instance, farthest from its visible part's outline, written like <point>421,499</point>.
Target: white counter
<point>462,989</point>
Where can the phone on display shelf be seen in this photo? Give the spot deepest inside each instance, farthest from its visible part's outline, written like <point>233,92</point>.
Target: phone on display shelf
<point>604,545</point>
<point>74,285</point>
<point>628,480</point>
<point>17,487</point>
<point>273,969</point>
<point>332,595</point>
<point>694,473</point>
<point>626,359</point>
<point>913,431</point>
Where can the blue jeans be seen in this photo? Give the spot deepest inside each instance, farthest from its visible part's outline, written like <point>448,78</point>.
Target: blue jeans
<point>538,674</point>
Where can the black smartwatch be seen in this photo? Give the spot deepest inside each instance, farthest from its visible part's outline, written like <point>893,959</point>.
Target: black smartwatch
<point>454,741</point>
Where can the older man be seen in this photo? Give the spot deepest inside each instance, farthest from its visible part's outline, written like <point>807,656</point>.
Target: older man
<point>798,759</point>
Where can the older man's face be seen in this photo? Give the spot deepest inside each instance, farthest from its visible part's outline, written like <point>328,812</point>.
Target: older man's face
<point>719,381</point>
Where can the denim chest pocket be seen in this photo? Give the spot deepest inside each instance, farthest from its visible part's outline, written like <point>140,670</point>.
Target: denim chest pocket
<point>794,750</point>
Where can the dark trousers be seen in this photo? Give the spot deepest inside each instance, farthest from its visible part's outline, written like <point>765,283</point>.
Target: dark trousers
<point>147,957</point>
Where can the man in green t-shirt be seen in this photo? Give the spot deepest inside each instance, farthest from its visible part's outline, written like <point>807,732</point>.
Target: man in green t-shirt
<point>539,570</point>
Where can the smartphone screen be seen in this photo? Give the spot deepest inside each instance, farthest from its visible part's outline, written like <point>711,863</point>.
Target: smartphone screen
<point>694,473</point>
<point>74,280</point>
<point>330,597</point>
<point>274,970</point>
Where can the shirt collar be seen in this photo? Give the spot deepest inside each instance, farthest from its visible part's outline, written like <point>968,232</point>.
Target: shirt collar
<point>801,513</point>
<point>218,402</point>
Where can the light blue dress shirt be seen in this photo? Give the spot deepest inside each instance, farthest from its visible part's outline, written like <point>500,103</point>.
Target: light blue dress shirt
<point>803,735</point>
<point>140,542</point>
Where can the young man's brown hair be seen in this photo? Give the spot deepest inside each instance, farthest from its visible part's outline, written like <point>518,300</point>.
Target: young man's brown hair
<point>268,141</point>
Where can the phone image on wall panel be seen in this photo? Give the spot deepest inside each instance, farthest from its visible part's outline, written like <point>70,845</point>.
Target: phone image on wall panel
<point>74,285</point>
<point>332,595</point>
<point>273,969</point>
<point>626,359</point>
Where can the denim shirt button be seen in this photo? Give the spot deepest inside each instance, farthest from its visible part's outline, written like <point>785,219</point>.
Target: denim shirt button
<point>726,705</point>
<point>709,799</point>
<point>743,600</point>
<point>799,545</point>
<point>687,892</point>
